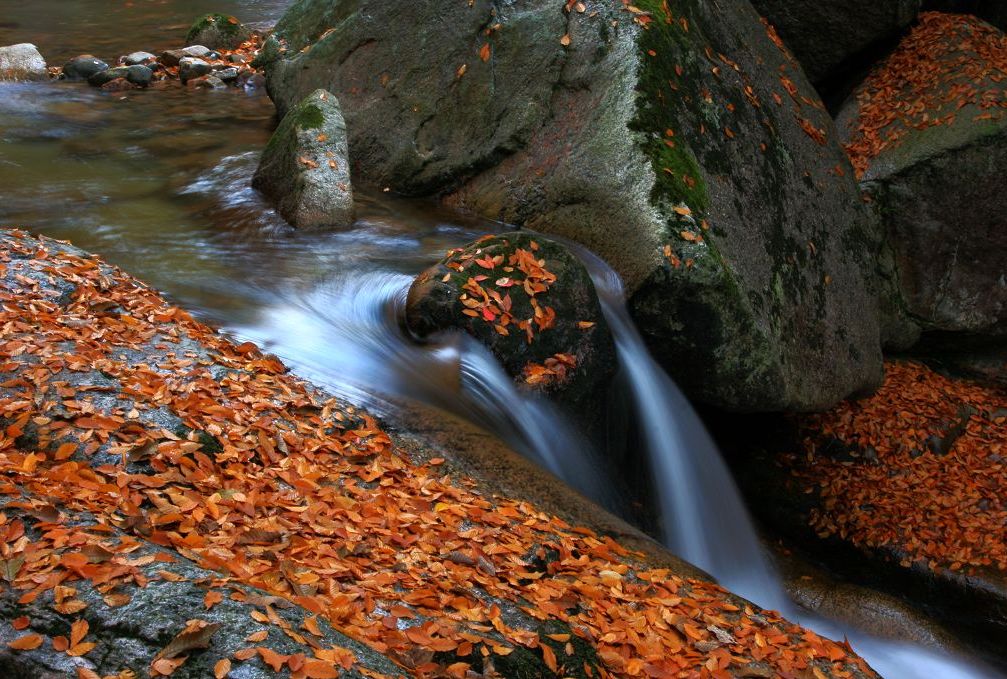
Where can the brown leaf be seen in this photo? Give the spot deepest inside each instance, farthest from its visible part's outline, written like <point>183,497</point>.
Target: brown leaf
<point>196,634</point>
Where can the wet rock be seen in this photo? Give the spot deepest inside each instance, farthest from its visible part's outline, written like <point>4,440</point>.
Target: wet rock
<point>83,67</point>
<point>139,58</point>
<point>218,31</point>
<point>824,35</point>
<point>174,57</point>
<point>533,304</point>
<point>100,78</point>
<point>937,188</point>
<point>139,75</point>
<point>305,168</point>
<point>22,62</point>
<point>726,203</point>
<point>227,74</point>
<point>119,85</point>
<point>191,67</point>
<point>207,82</point>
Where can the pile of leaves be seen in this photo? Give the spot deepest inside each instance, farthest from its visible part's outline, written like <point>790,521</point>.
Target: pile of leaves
<point>275,486</point>
<point>922,473</point>
<point>521,269</point>
<point>948,63</point>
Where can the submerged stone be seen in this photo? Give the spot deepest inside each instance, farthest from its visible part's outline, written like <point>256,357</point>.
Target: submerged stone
<point>681,144</point>
<point>305,167</point>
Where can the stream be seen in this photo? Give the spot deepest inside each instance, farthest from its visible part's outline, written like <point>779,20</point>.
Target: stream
<point>158,182</point>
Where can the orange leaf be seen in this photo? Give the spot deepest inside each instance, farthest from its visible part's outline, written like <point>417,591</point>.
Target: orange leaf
<point>221,669</point>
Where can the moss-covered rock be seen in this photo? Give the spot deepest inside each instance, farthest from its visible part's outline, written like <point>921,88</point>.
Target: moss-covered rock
<point>217,31</point>
<point>676,140</point>
<point>533,304</point>
<point>305,167</point>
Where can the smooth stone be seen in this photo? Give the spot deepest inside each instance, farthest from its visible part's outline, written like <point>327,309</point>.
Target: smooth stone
<point>227,74</point>
<point>83,67</point>
<point>108,75</point>
<point>190,68</point>
<point>219,31</point>
<point>22,62</point>
<point>139,75</point>
<point>138,58</point>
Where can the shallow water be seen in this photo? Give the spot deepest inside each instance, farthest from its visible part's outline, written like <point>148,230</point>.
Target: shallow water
<point>159,183</point>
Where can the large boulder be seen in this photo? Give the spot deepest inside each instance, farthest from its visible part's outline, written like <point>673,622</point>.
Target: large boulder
<point>217,31</point>
<point>993,11</point>
<point>305,167</point>
<point>825,34</point>
<point>927,133</point>
<point>683,146</point>
<point>174,503</point>
<point>22,62</point>
<point>532,303</point>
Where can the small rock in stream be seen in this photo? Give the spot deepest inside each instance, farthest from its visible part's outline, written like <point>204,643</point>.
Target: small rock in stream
<point>22,62</point>
<point>138,58</point>
<point>190,68</point>
<point>83,67</point>
<point>100,78</point>
<point>139,75</point>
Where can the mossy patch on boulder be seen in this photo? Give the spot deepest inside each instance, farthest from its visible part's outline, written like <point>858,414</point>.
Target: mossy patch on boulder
<point>607,127</point>
<point>217,31</point>
<point>305,167</point>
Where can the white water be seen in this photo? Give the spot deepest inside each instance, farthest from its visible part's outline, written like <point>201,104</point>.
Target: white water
<point>375,364</point>
<point>704,517</point>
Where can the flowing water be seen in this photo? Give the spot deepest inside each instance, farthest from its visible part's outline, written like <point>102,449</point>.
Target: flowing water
<point>158,182</point>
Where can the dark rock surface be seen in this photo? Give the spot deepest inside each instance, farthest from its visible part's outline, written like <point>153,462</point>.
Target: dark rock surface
<point>692,154</point>
<point>825,34</point>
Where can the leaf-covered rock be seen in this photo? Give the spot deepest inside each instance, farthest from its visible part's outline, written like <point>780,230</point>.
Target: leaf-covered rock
<point>133,431</point>
<point>676,140</point>
<point>305,167</point>
<point>533,304</point>
<point>927,132</point>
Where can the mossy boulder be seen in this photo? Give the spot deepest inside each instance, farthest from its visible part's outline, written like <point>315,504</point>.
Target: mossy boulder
<point>676,140</point>
<point>305,167</point>
<point>826,34</point>
<point>929,136</point>
<point>217,31</point>
<point>533,304</point>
